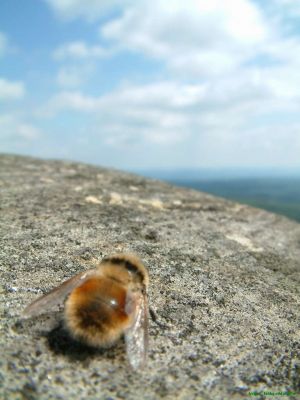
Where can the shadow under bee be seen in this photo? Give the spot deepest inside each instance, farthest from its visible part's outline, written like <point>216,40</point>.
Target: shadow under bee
<point>61,342</point>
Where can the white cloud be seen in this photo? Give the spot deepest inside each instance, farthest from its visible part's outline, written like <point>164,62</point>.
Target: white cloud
<point>3,44</point>
<point>131,97</point>
<point>291,7</point>
<point>10,90</point>
<point>68,77</point>
<point>27,131</point>
<point>91,10</point>
<point>197,37</point>
<point>70,101</point>
<point>11,128</point>
<point>164,96</point>
<point>285,51</point>
<point>264,145</point>
<point>79,62</point>
<point>166,112</point>
<point>216,116</point>
<point>79,50</point>
<point>72,76</point>
<point>131,113</point>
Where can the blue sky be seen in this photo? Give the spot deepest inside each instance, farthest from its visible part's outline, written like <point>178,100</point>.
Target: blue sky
<point>144,85</point>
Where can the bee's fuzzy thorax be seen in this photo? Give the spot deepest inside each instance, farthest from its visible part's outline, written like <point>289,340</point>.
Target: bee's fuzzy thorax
<point>127,264</point>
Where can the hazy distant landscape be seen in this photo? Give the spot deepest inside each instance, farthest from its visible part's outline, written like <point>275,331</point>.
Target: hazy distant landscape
<point>277,194</point>
<point>281,196</point>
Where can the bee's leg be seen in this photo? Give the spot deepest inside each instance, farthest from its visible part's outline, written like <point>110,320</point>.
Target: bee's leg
<point>154,318</point>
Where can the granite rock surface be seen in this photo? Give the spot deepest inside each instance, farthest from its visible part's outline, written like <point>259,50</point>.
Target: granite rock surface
<point>225,283</point>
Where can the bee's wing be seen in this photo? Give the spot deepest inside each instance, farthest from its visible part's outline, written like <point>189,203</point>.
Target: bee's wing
<point>56,295</point>
<point>136,336</point>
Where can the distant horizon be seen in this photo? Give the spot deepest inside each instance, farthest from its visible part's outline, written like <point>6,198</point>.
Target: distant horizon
<point>184,172</point>
<point>194,173</point>
<point>273,189</point>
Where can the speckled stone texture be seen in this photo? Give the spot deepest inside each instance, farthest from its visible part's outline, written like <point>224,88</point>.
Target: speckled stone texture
<point>225,282</point>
